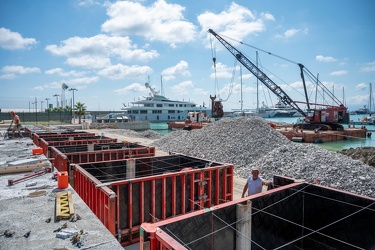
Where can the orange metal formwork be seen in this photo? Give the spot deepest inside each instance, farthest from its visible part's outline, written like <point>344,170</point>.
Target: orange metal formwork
<point>64,155</point>
<point>46,143</point>
<point>163,187</point>
<point>292,216</point>
<point>36,136</point>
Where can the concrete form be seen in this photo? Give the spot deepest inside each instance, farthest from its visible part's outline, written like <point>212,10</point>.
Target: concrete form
<point>90,153</point>
<point>124,194</point>
<point>292,216</point>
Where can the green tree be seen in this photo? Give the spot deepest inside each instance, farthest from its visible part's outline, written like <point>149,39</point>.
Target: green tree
<point>80,110</point>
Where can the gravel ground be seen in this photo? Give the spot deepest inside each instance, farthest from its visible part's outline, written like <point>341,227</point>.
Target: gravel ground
<point>248,142</point>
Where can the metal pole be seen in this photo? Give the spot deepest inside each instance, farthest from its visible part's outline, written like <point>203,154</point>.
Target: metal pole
<point>47,110</point>
<point>73,89</point>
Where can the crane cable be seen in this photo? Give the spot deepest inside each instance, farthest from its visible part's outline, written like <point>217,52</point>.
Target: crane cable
<point>213,54</point>
<point>305,70</point>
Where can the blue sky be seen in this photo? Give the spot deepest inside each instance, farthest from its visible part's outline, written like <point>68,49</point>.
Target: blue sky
<point>108,50</point>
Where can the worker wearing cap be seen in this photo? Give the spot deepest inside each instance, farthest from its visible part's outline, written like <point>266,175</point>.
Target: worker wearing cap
<point>17,123</point>
<point>254,183</point>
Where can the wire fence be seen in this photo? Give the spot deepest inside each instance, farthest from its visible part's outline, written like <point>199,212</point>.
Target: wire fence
<point>39,117</point>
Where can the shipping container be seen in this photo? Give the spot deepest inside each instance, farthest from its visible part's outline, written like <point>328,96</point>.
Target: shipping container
<point>295,215</point>
<point>46,143</point>
<point>124,194</point>
<point>36,136</point>
<point>63,156</point>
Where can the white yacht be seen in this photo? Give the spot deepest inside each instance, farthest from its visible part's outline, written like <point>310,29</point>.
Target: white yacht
<point>158,108</point>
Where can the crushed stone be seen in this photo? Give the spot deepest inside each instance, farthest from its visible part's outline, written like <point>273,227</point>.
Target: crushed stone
<point>248,142</point>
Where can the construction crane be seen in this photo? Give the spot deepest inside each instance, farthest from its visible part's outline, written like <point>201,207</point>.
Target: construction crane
<point>329,117</point>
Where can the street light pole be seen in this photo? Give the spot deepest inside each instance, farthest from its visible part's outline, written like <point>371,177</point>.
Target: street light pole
<point>73,89</point>
<point>47,109</point>
<point>41,106</point>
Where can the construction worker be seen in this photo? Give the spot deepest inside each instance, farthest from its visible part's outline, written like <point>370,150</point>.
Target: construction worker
<point>254,183</point>
<point>17,123</point>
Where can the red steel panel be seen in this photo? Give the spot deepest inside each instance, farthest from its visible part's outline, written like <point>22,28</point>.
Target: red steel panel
<point>46,144</point>
<point>108,209</point>
<point>62,160</point>
<point>103,207</point>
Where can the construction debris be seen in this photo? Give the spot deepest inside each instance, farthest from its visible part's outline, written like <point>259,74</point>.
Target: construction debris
<point>77,238</point>
<point>26,235</point>
<point>65,225</point>
<point>8,233</point>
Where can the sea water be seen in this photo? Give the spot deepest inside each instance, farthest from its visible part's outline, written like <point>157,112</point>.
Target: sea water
<point>162,128</point>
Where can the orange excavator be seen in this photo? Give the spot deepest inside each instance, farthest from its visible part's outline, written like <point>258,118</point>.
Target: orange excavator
<point>329,117</point>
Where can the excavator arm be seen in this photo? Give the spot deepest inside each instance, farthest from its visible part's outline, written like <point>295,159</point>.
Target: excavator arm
<point>259,74</point>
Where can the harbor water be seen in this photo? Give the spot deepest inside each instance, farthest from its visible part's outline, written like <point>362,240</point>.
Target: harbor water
<point>162,128</point>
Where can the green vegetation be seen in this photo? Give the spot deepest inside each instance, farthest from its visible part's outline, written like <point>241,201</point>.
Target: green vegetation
<point>80,110</point>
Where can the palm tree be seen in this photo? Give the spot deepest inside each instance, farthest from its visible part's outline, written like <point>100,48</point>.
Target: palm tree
<point>79,109</point>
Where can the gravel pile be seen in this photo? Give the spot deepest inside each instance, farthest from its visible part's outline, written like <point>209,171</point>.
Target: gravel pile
<point>248,142</point>
<point>151,134</point>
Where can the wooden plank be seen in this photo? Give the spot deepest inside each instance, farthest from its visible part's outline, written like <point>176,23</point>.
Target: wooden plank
<point>23,168</point>
<point>63,206</point>
<point>71,207</point>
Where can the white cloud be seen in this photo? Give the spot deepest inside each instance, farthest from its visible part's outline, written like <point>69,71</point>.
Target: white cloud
<point>88,61</point>
<point>339,73</point>
<point>11,72</point>
<point>180,68</point>
<point>160,21</point>
<point>120,71</point>
<point>13,40</point>
<point>321,58</point>
<point>267,16</point>
<point>222,71</point>
<point>369,67</point>
<point>361,86</point>
<point>83,80</point>
<point>62,72</point>
<point>237,22</point>
<point>292,33</point>
<point>96,50</point>
<point>183,88</point>
<point>134,87</point>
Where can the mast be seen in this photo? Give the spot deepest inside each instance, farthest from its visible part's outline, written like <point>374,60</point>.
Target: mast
<point>370,110</point>
<point>257,84</point>
<point>241,89</point>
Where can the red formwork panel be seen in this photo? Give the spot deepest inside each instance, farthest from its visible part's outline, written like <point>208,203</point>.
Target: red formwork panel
<point>62,156</point>
<point>151,189</point>
<point>36,136</point>
<point>46,143</point>
<point>295,215</point>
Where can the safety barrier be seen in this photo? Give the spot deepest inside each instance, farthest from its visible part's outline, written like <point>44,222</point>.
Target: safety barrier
<point>150,189</point>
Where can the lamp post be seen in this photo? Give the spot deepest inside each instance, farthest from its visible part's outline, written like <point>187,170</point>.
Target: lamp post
<point>73,89</point>
<point>57,100</point>
<point>41,106</point>
<point>47,99</point>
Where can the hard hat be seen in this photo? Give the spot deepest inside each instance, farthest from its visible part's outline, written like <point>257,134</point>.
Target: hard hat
<point>11,112</point>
